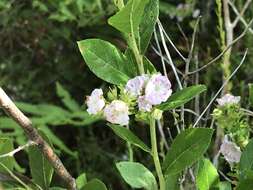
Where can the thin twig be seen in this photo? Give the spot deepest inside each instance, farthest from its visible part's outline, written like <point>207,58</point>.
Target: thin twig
<point>239,16</point>
<point>224,51</point>
<point>11,109</point>
<point>246,5</point>
<point>221,88</point>
<point>20,148</point>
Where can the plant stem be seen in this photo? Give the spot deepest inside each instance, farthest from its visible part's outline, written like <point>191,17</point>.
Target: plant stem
<point>155,154</point>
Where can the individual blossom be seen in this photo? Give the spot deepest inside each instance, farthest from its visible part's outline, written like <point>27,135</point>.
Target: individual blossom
<point>230,151</point>
<point>136,85</point>
<point>117,112</point>
<point>158,89</point>
<point>228,99</point>
<point>95,101</point>
<point>143,104</point>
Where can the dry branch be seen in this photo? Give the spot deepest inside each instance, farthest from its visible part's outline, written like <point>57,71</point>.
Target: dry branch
<point>11,109</point>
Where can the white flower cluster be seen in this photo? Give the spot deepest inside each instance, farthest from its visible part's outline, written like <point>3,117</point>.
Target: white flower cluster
<point>116,112</point>
<point>230,151</point>
<point>148,91</point>
<point>228,99</point>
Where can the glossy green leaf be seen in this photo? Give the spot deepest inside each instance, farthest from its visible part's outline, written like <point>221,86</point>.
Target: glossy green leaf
<point>81,181</point>
<point>246,161</point>
<point>70,103</point>
<point>104,60</point>
<point>188,147</point>
<point>136,175</point>
<point>181,97</point>
<point>207,176</point>
<point>6,146</point>
<point>129,18</point>
<point>128,136</point>
<point>41,169</point>
<point>224,185</point>
<point>148,22</point>
<point>94,184</point>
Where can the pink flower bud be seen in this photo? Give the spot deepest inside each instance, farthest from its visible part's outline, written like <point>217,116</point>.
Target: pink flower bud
<point>117,112</point>
<point>95,101</point>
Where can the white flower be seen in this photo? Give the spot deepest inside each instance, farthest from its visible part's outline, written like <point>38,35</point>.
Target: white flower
<point>230,151</point>
<point>117,112</point>
<point>95,101</point>
<point>143,104</point>
<point>136,85</point>
<point>228,99</point>
<point>158,89</point>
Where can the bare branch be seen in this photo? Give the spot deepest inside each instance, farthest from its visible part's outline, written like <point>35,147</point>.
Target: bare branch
<point>11,109</point>
<point>221,88</point>
<point>246,5</point>
<point>224,51</point>
<point>239,16</point>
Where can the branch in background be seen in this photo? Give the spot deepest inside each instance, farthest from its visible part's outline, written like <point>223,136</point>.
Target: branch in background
<point>221,88</point>
<point>11,109</point>
<point>224,51</point>
<point>239,16</point>
<point>245,7</point>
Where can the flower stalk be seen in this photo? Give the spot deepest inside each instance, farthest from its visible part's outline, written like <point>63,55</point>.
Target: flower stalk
<point>155,154</point>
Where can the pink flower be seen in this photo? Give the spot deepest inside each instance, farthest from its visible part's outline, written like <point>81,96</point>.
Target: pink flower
<point>230,151</point>
<point>95,101</point>
<point>117,112</point>
<point>143,104</point>
<point>136,85</point>
<point>228,99</point>
<point>158,89</point>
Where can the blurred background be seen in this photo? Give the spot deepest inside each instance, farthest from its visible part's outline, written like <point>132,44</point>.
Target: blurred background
<point>42,69</point>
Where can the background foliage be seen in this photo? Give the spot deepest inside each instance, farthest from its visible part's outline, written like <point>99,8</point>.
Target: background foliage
<point>40,64</point>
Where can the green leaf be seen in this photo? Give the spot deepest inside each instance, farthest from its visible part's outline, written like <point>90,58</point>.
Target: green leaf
<point>148,22</point>
<point>6,146</point>
<point>172,182</point>
<point>128,136</point>
<point>94,184</point>
<point>136,175</point>
<point>187,148</point>
<point>182,97</point>
<point>207,176</point>
<point>129,18</point>
<point>224,185</point>
<point>41,169</point>
<point>246,161</point>
<point>81,181</point>
<point>57,141</point>
<point>251,94</point>
<point>245,184</point>
<point>70,103</point>
<point>148,66</point>
<point>104,60</point>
